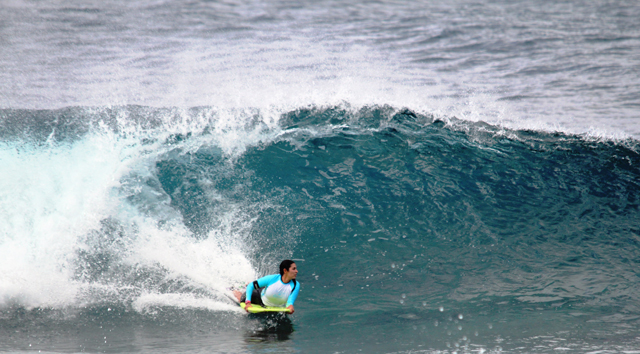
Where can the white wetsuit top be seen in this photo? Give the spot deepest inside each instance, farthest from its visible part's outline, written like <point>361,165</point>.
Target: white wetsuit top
<point>276,293</point>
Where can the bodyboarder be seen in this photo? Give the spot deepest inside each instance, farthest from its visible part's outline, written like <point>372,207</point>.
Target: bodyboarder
<point>278,290</point>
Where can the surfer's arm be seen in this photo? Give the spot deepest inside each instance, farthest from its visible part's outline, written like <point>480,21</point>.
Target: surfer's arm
<point>293,296</point>
<point>248,294</point>
<point>262,282</point>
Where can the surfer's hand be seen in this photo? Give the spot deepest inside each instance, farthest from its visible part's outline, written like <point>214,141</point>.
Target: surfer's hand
<point>290,307</point>
<point>246,306</point>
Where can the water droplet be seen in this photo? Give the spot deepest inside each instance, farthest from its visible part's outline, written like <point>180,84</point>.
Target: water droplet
<point>402,302</point>
<point>424,303</point>
<point>393,265</point>
<point>460,316</point>
<point>404,296</point>
<point>464,338</point>
<point>441,309</point>
<point>490,326</point>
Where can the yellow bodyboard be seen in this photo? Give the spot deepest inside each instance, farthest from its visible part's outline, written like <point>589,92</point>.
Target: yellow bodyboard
<point>264,309</point>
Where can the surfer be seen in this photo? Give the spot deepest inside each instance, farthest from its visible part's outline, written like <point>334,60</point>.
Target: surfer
<point>280,290</point>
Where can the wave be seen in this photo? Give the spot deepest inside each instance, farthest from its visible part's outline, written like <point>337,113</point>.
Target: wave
<point>143,206</point>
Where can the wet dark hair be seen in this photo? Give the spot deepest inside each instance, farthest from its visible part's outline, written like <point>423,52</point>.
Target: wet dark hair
<point>286,264</point>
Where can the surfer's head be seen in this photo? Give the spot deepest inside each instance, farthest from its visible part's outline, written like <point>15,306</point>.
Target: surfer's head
<point>286,265</point>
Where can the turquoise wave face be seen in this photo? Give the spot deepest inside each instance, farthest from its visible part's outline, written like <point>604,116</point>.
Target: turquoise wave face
<point>410,232</point>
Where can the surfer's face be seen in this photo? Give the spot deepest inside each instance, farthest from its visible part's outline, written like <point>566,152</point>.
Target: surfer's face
<point>292,271</point>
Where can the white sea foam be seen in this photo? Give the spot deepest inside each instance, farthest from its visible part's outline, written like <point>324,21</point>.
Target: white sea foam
<point>50,197</point>
<point>147,303</point>
<point>53,197</point>
<point>281,70</point>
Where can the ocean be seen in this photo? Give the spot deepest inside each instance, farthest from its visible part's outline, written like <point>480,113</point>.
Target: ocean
<point>449,177</point>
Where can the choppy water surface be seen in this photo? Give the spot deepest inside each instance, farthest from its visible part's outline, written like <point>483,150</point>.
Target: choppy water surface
<point>449,178</point>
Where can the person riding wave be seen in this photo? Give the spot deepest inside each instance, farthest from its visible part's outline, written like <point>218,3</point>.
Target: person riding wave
<point>278,290</point>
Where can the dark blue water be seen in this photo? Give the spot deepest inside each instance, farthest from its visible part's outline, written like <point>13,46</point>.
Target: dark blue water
<point>448,178</point>
<point>410,233</point>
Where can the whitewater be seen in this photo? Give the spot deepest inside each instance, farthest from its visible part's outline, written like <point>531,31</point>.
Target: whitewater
<point>449,178</point>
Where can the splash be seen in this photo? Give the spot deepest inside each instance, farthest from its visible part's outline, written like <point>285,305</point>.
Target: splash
<point>86,221</point>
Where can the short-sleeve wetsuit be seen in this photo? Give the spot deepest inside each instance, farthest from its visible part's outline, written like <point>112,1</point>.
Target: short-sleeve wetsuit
<point>275,292</point>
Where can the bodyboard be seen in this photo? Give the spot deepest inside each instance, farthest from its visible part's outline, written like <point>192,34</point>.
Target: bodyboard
<point>264,309</point>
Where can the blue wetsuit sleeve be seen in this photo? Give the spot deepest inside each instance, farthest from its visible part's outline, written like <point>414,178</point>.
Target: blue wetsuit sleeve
<point>249,292</point>
<point>262,282</point>
<point>294,295</point>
